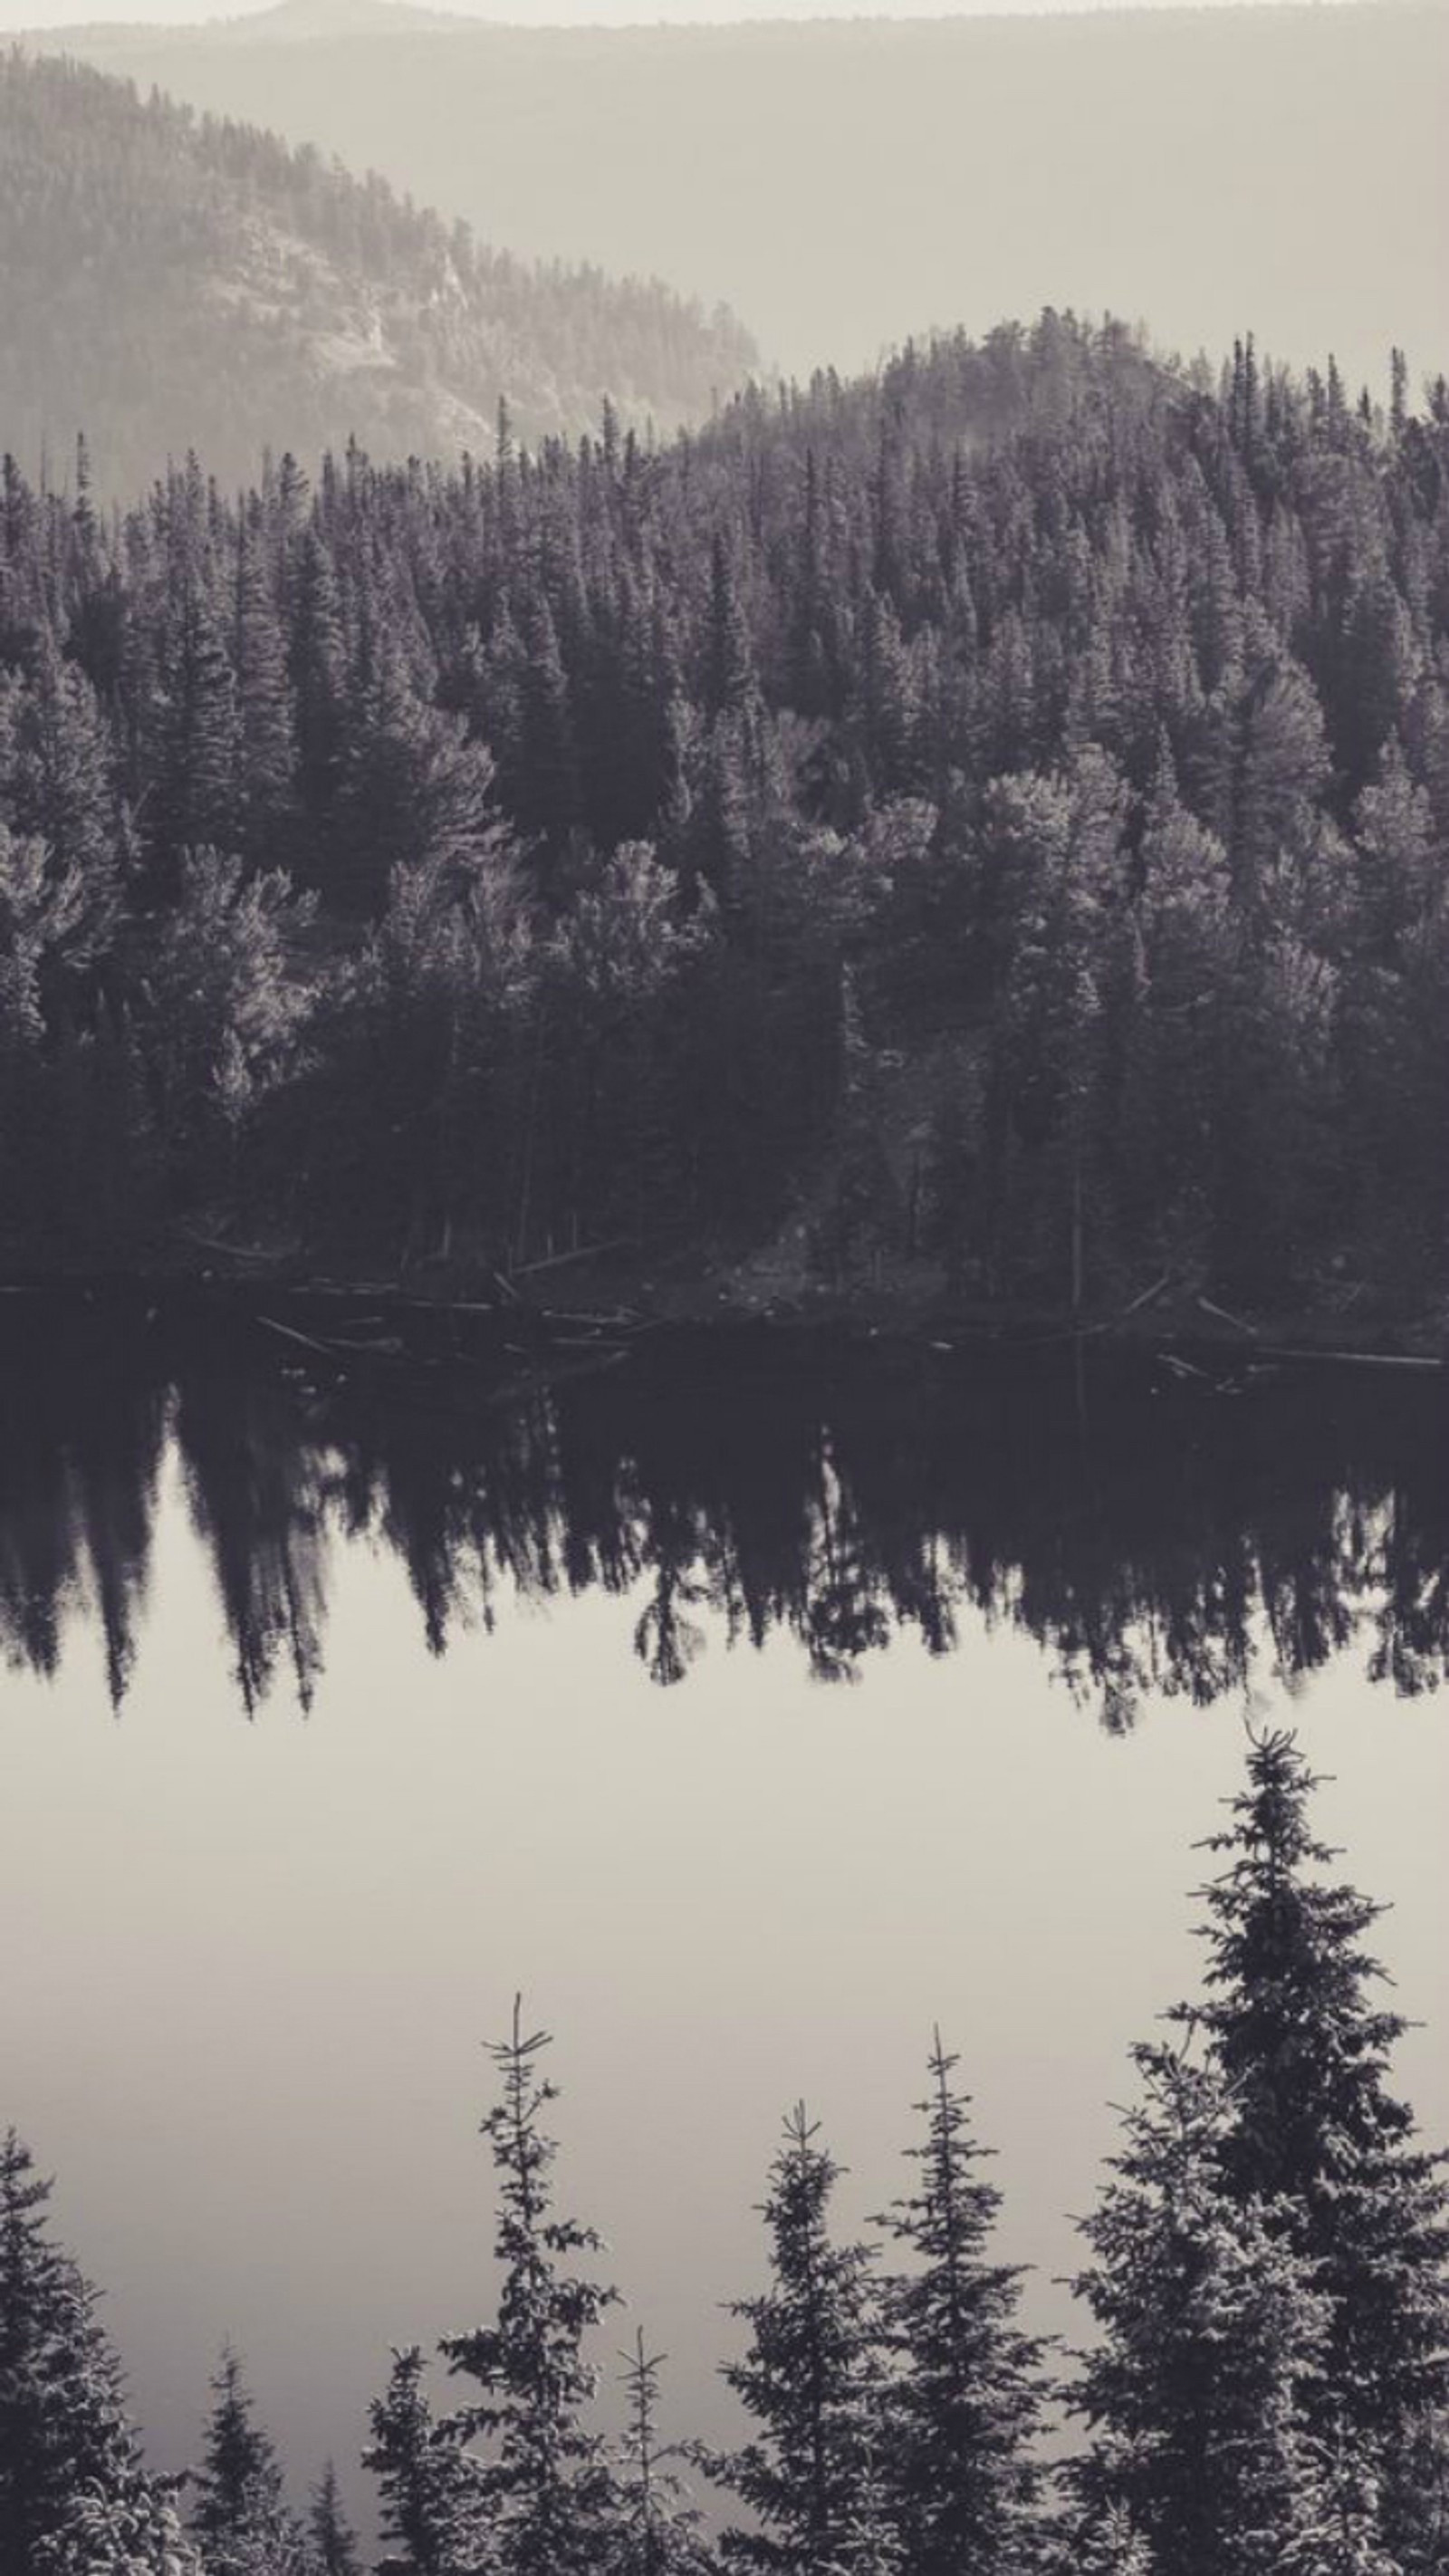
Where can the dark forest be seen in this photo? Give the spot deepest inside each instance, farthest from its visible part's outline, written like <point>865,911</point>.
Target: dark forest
<point>986,820</point>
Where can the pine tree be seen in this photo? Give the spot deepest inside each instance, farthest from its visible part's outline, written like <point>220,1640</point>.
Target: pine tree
<point>1213,2350</point>
<point>62,792</point>
<point>263,698</point>
<point>549,2501</point>
<point>810,2376</point>
<point>74,2497</point>
<point>967,2401</point>
<point>1109,2546</point>
<point>334,2542</point>
<point>1316,2131</point>
<point>730,668</point>
<point>240,2516</point>
<point>659,2527</point>
<point>200,738</point>
<point>431,2506</point>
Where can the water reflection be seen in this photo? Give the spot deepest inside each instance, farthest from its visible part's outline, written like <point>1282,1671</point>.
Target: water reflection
<point>1149,1535</point>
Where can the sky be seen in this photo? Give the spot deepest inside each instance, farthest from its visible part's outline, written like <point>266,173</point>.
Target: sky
<point>16,15</point>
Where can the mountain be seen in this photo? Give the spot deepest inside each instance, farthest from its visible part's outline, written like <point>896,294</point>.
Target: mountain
<point>847,183</point>
<point>169,280</point>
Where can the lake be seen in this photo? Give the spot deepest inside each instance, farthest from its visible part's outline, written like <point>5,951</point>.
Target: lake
<point>750,1704</point>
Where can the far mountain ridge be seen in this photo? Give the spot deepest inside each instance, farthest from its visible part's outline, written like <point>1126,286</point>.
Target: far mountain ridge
<point>170,280</point>
<point>847,182</point>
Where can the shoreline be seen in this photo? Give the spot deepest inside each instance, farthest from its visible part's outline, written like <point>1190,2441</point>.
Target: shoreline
<point>595,1307</point>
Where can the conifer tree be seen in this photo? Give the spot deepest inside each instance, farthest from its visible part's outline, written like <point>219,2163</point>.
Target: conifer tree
<point>240,2516</point>
<point>334,2542</point>
<point>548,2499</point>
<point>263,697</point>
<point>810,2376</point>
<point>428,2486</point>
<point>967,2400</point>
<point>1214,2342</point>
<point>659,2528</point>
<point>1316,2132</point>
<point>75,2499</point>
<point>200,737</point>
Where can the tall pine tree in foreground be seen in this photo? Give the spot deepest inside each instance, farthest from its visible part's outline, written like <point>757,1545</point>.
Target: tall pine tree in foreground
<point>1269,2271</point>
<point>1304,2049</point>
<point>1202,2390</point>
<point>968,2398</point>
<point>74,2497</point>
<point>812,2379</point>
<point>547,2497</point>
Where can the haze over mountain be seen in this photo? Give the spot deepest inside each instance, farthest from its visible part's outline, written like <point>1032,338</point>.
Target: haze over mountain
<point>845,184</point>
<point>169,281</point>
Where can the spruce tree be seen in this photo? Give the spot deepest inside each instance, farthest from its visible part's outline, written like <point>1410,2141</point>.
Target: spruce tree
<point>659,2528</point>
<point>548,2498</point>
<point>1213,2346</point>
<point>75,2499</point>
<point>967,2400</point>
<point>334,2542</point>
<point>240,2516</point>
<point>428,2486</point>
<point>810,2377</point>
<point>1304,2049</point>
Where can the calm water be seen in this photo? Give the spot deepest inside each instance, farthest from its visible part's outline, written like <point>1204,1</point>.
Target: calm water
<point>749,1705</point>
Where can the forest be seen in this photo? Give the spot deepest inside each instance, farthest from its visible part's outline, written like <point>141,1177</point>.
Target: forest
<point>986,821</point>
<point>1261,2387</point>
<point>169,281</point>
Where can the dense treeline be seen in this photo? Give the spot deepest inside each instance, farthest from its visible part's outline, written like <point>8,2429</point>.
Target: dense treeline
<point>173,281</point>
<point>1149,1534</point>
<point>993,815</point>
<point>1263,2391</point>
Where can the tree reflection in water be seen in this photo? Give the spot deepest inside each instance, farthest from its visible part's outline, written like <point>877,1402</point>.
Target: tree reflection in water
<point>1147,1535</point>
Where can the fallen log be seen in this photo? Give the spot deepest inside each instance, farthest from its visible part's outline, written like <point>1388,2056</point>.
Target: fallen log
<point>1148,1294</point>
<point>307,1341</point>
<point>1223,1317</point>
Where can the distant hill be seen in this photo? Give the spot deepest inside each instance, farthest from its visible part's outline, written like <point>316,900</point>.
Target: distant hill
<point>846,184</point>
<point>169,281</point>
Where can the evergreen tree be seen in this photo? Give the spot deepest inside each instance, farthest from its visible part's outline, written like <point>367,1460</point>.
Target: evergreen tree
<point>810,2377</point>
<point>1205,2390</point>
<point>659,2527</point>
<point>1316,2132</point>
<point>199,734</point>
<point>240,2516</point>
<point>967,2400</point>
<point>74,2497</point>
<point>334,2543</point>
<point>548,2499</point>
<point>431,2507</point>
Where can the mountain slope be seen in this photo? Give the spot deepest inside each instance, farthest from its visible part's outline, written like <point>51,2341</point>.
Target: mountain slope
<point>170,281</point>
<point>1202,170</point>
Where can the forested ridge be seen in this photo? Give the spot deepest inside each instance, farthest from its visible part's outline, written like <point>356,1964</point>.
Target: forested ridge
<point>1260,2389</point>
<point>169,280</point>
<point>845,183</point>
<point>988,818</point>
